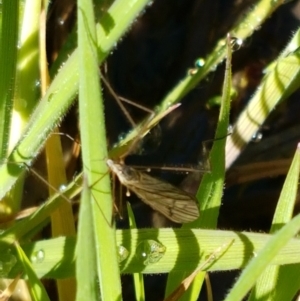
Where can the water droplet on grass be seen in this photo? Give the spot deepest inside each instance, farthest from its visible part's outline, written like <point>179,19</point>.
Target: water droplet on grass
<point>150,251</point>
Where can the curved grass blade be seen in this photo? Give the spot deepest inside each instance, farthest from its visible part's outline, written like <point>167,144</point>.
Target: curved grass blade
<point>280,81</point>
<point>263,259</point>
<point>211,188</point>
<point>269,282</point>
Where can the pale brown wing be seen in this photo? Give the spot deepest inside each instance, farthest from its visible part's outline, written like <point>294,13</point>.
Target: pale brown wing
<point>174,203</point>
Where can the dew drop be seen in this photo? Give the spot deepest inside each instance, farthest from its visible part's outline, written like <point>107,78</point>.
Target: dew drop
<point>121,137</point>
<point>257,137</point>
<point>150,251</point>
<point>62,188</point>
<point>60,21</point>
<point>200,63</point>
<point>38,256</point>
<point>221,43</point>
<point>150,3</point>
<point>37,83</point>
<point>236,43</point>
<point>258,19</point>
<point>122,253</point>
<point>192,72</point>
<point>128,193</point>
<point>230,129</point>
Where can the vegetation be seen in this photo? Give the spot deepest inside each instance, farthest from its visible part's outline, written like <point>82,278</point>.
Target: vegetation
<point>86,258</point>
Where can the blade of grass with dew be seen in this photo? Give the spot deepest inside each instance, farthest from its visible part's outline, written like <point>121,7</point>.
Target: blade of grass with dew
<point>253,20</point>
<point>244,29</point>
<point>258,264</point>
<point>267,286</point>
<point>36,288</point>
<point>280,81</point>
<point>98,207</point>
<point>61,95</point>
<point>211,188</point>
<point>59,261</point>
<point>138,278</point>
<point>63,90</point>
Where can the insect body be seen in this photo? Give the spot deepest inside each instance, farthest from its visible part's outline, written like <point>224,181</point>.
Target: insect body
<point>174,203</point>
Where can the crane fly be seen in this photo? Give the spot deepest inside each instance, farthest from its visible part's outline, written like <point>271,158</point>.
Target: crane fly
<point>174,203</point>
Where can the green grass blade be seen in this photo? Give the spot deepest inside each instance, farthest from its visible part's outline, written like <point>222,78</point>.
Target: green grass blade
<point>267,285</point>
<point>8,90</point>
<point>263,259</point>
<point>36,288</point>
<point>26,91</point>
<point>282,78</point>
<point>211,188</point>
<point>86,262</point>
<point>288,195</point>
<point>287,289</point>
<point>59,259</point>
<point>96,206</point>
<point>8,59</point>
<point>210,192</point>
<point>138,278</point>
<point>245,28</point>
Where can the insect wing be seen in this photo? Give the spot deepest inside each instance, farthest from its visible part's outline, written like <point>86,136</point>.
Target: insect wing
<point>174,203</point>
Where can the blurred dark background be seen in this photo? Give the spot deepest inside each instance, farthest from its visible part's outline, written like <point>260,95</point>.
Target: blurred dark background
<point>153,56</point>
